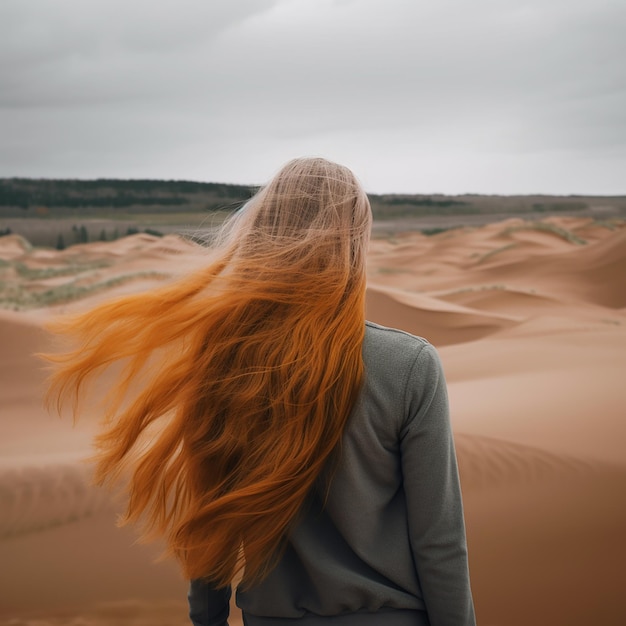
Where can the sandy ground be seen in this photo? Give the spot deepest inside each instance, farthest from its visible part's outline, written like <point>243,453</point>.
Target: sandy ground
<point>530,321</point>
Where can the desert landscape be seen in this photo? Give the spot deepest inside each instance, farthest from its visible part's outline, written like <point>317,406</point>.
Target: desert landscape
<point>530,320</point>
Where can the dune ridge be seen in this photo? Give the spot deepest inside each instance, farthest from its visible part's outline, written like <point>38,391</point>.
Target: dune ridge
<point>442,322</point>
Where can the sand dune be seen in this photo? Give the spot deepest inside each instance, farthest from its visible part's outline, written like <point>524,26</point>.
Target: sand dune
<point>443,323</point>
<point>595,273</point>
<point>505,300</point>
<point>549,532</point>
<point>530,320</point>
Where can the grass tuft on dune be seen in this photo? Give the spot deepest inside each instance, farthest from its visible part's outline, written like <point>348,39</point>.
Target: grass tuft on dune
<point>547,227</point>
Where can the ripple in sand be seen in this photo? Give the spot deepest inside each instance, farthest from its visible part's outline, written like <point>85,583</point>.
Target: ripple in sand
<point>38,497</point>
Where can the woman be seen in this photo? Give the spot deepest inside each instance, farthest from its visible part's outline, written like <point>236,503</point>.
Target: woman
<point>264,428</point>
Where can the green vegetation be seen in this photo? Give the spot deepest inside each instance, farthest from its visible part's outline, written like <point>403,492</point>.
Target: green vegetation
<point>405,206</point>
<point>495,251</point>
<point>497,287</point>
<point>536,226</point>
<point>80,234</point>
<point>429,232</point>
<point>606,224</point>
<point>556,207</point>
<point>51,197</point>
<point>24,243</point>
<point>13,297</point>
<point>25,284</point>
<point>61,213</point>
<point>62,233</point>
<point>548,228</point>
<point>31,273</point>
<point>111,198</point>
<point>388,206</point>
<point>133,230</point>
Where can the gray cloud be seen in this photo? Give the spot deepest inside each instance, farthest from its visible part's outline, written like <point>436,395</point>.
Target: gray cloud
<point>419,95</point>
<point>100,51</point>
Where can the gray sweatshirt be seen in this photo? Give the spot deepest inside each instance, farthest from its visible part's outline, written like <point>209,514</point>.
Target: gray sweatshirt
<point>388,545</point>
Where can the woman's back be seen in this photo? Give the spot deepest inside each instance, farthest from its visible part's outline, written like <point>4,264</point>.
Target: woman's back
<point>386,542</point>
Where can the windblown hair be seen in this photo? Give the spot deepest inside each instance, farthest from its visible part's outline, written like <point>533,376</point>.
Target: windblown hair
<point>238,379</point>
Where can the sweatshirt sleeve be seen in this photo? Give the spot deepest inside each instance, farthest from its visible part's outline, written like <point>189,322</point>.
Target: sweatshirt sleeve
<point>208,606</point>
<point>433,494</point>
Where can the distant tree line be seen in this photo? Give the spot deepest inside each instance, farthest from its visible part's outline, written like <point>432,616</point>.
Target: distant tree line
<point>551,207</point>
<point>111,193</point>
<point>50,198</point>
<point>420,201</point>
<point>25,199</point>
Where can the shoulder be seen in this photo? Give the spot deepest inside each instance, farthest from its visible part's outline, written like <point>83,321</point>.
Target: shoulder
<point>383,343</point>
<point>401,366</point>
<point>400,372</point>
<point>396,359</point>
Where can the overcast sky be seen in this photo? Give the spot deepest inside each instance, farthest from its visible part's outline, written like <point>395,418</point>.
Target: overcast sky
<point>416,96</point>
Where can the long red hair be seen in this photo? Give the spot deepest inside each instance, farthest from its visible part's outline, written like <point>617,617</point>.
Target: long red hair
<point>238,379</point>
